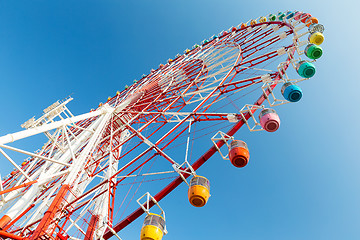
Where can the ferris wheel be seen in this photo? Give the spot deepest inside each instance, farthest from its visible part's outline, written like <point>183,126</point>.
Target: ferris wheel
<point>98,172</point>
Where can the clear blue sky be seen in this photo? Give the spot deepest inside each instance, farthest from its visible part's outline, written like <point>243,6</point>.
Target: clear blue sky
<point>302,182</point>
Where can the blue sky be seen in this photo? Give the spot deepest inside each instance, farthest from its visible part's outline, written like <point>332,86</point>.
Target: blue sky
<point>302,181</point>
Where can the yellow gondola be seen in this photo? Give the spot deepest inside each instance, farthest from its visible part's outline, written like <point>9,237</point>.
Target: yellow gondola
<point>263,19</point>
<point>153,227</point>
<point>316,38</point>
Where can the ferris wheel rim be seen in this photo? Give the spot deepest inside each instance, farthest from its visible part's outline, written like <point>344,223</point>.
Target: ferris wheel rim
<point>200,161</point>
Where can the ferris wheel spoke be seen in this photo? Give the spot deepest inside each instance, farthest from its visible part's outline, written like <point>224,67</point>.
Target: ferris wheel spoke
<point>166,108</point>
<point>173,117</point>
<point>252,36</point>
<point>185,118</point>
<point>215,57</point>
<point>269,31</point>
<point>267,40</point>
<point>255,61</point>
<point>241,84</point>
<point>150,144</point>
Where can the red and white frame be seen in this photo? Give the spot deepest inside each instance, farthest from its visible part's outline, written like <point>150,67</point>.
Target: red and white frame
<point>84,182</point>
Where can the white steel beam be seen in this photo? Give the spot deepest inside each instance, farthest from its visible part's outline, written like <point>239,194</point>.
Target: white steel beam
<point>44,128</point>
<point>33,154</point>
<point>15,165</point>
<point>1,189</point>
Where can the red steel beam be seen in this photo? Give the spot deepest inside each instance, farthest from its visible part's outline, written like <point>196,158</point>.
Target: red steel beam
<point>7,235</point>
<point>50,213</point>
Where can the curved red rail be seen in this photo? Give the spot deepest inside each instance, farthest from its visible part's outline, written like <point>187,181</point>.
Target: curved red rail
<point>170,187</point>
